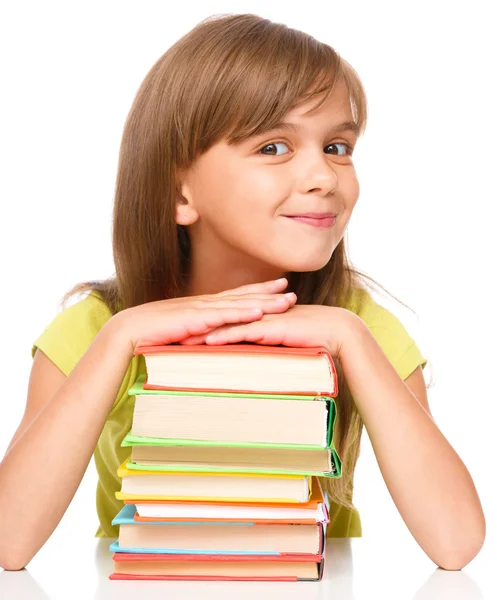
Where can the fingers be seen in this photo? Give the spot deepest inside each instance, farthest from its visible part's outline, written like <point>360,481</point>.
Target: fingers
<point>209,316</point>
<point>264,289</point>
<point>269,303</point>
<point>203,321</point>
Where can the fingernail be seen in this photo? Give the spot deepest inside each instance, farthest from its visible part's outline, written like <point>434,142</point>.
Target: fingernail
<point>281,280</point>
<point>290,295</point>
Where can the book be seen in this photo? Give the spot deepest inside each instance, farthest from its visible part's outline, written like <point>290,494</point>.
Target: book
<point>297,567</point>
<point>232,418</point>
<point>226,447</point>
<point>224,487</point>
<point>242,367</point>
<point>313,511</point>
<point>311,503</point>
<point>323,462</point>
<point>215,537</point>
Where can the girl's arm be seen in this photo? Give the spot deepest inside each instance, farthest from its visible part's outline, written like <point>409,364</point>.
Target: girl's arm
<point>65,416</point>
<point>63,419</point>
<point>427,480</point>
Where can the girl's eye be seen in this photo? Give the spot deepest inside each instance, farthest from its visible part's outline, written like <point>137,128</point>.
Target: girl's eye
<point>347,149</point>
<point>271,146</point>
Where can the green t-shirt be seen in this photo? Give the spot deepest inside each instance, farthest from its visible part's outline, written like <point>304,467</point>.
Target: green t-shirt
<point>70,333</point>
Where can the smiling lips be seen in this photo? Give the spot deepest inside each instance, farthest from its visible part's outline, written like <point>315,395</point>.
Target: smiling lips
<point>323,220</point>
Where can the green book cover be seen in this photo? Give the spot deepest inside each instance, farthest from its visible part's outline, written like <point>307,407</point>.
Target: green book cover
<point>137,389</point>
<point>132,440</point>
<point>336,471</point>
<point>136,440</point>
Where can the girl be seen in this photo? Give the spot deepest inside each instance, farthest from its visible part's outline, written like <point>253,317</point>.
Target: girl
<point>235,186</point>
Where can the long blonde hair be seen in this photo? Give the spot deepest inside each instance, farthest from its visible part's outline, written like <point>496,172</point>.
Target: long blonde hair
<point>231,76</point>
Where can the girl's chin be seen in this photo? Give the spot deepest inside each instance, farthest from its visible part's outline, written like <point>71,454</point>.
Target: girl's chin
<point>302,266</point>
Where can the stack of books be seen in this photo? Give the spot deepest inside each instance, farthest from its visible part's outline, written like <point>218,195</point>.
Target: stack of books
<point>226,447</point>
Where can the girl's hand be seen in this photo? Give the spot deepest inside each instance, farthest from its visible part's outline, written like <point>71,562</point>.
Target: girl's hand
<point>168,321</point>
<point>301,326</point>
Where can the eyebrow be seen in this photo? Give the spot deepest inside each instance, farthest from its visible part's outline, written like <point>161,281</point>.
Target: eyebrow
<point>294,128</point>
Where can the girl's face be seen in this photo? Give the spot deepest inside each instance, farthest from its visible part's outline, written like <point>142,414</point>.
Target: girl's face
<point>236,200</point>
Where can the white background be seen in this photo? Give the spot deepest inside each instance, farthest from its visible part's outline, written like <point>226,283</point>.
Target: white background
<point>423,227</point>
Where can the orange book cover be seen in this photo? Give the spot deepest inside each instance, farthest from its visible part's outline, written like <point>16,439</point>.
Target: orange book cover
<point>315,499</point>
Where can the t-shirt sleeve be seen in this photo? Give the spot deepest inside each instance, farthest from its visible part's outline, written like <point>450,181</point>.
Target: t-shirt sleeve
<point>67,337</point>
<point>394,339</point>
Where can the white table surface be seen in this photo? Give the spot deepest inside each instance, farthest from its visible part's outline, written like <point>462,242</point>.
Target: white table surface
<point>356,569</point>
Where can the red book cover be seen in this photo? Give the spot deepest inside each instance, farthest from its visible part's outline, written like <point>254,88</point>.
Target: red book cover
<point>131,556</point>
<point>193,558</point>
<point>247,349</point>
